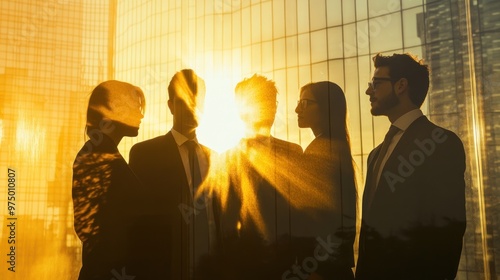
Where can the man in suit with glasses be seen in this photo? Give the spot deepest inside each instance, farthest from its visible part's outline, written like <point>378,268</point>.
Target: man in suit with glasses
<point>413,216</point>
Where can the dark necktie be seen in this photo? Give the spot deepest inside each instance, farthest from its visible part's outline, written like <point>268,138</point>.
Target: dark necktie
<point>194,165</point>
<point>373,183</point>
<point>199,233</point>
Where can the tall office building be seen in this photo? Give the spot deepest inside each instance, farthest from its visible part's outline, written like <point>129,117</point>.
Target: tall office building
<point>51,55</point>
<point>460,47</point>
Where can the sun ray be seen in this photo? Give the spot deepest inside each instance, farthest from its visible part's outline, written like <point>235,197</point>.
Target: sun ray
<point>230,178</point>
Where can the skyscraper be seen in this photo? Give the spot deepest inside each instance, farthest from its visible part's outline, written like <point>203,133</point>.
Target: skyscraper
<point>462,54</point>
<point>51,55</point>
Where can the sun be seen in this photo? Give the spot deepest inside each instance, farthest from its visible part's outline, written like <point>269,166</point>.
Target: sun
<point>220,126</point>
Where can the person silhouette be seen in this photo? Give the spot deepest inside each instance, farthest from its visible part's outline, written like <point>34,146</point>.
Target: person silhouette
<point>328,169</point>
<point>255,216</point>
<point>413,216</point>
<point>107,211</point>
<point>174,166</point>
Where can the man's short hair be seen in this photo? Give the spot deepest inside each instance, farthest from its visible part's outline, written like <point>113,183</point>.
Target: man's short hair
<point>409,67</point>
<point>257,89</point>
<point>185,81</point>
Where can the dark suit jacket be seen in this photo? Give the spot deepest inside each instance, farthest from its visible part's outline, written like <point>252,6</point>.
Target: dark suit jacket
<point>109,213</point>
<point>158,165</point>
<point>259,247</point>
<point>415,224</point>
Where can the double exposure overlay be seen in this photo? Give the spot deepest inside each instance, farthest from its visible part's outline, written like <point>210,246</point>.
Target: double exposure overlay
<point>54,52</point>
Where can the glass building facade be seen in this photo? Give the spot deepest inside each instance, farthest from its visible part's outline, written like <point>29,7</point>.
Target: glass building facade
<point>52,53</point>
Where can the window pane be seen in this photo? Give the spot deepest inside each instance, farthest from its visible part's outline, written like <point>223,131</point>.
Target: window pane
<point>334,12</point>
<point>363,37</point>
<point>245,26</point>
<point>291,17</point>
<point>361,9</point>
<point>279,18</point>
<point>318,46</point>
<point>348,11</point>
<point>335,43</point>
<point>256,28</point>
<point>267,21</point>
<point>385,33</point>
<point>317,14</point>
<point>302,15</point>
<point>378,8</point>
<point>350,42</point>
<point>279,54</point>
<point>410,27</point>
<point>304,49</point>
<point>291,51</point>
<point>267,56</point>
<point>319,72</point>
<point>411,3</point>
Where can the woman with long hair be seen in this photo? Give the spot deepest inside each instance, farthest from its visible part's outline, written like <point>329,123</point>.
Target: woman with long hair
<point>328,170</point>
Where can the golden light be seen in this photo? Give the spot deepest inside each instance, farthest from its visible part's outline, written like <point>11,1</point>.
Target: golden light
<point>30,138</point>
<point>1,131</point>
<point>239,174</point>
<point>220,126</point>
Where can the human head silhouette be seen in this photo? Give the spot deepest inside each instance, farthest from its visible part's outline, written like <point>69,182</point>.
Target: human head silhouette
<point>186,93</point>
<point>322,107</point>
<point>399,84</point>
<point>256,101</point>
<point>409,67</point>
<point>115,107</point>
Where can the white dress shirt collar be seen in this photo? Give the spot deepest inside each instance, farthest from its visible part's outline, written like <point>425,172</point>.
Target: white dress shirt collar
<point>407,119</point>
<point>181,139</point>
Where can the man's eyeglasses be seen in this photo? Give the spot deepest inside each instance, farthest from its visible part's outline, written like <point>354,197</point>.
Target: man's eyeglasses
<point>373,84</point>
<point>303,103</point>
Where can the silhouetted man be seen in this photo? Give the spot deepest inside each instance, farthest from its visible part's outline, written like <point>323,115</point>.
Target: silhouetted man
<point>174,166</point>
<point>255,220</point>
<point>414,200</point>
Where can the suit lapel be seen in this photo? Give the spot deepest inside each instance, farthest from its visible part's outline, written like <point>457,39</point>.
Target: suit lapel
<point>369,174</point>
<point>402,148</point>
